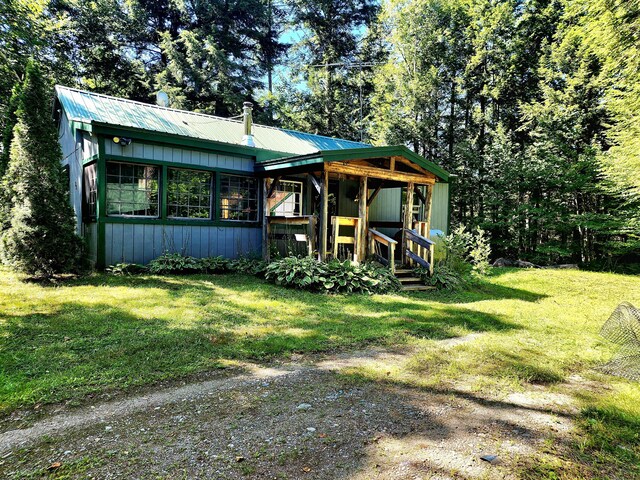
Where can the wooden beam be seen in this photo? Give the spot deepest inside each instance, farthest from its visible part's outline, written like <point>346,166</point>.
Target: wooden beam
<point>374,194</point>
<point>427,205</point>
<point>273,187</point>
<point>315,182</point>
<point>362,224</point>
<point>408,220</point>
<point>265,219</point>
<point>392,163</point>
<point>324,215</point>
<point>410,164</point>
<point>420,195</point>
<point>360,171</point>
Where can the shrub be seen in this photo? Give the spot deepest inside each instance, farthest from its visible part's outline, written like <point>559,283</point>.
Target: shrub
<point>215,264</point>
<point>169,263</point>
<point>467,257</point>
<point>127,269</point>
<point>40,237</point>
<point>248,266</point>
<point>443,278</point>
<point>467,252</point>
<point>331,277</point>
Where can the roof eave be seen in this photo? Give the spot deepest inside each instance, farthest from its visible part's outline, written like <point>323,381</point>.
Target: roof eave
<point>324,156</point>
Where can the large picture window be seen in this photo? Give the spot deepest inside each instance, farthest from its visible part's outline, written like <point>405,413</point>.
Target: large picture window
<point>132,190</point>
<point>238,198</point>
<point>188,193</point>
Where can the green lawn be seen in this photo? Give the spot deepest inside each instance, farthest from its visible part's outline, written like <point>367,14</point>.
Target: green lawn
<point>110,333</point>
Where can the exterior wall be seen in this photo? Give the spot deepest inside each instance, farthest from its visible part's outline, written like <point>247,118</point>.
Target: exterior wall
<point>440,207</point>
<point>140,240</point>
<point>146,151</point>
<point>91,238</point>
<point>89,145</point>
<point>72,158</point>
<point>140,243</point>
<point>346,206</point>
<point>387,208</point>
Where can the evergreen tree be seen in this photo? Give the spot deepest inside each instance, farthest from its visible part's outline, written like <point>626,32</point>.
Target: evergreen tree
<point>41,239</point>
<point>9,124</point>
<point>326,62</point>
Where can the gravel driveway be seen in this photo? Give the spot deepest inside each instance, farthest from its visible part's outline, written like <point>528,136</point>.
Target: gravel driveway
<point>302,419</point>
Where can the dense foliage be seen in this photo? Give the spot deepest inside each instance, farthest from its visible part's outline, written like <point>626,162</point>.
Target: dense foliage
<point>332,277</point>
<point>516,98</point>
<point>298,272</point>
<point>177,263</point>
<point>465,259</point>
<point>39,231</point>
<point>533,104</point>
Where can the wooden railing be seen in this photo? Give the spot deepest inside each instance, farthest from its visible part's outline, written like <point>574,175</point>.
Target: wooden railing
<point>309,235</point>
<point>376,240</point>
<point>337,239</point>
<point>420,249</point>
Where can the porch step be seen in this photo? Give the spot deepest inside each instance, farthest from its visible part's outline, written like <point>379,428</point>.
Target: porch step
<point>417,288</point>
<point>403,271</point>
<point>409,279</point>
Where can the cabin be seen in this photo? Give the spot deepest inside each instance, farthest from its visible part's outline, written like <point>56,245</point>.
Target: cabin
<point>146,179</point>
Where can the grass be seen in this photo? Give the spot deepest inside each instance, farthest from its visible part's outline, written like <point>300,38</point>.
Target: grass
<point>106,332</point>
<point>538,328</point>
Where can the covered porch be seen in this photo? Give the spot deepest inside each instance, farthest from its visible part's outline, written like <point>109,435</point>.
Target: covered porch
<point>351,204</point>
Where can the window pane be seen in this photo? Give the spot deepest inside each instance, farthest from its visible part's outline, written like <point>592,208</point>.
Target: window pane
<point>238,198</point>
<point>286,199</point>
<point>132,189</point>
<point>188,193</point>
<point>90,191</point>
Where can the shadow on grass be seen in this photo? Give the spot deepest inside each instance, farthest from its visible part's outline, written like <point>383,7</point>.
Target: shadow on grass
<point>104,332</point>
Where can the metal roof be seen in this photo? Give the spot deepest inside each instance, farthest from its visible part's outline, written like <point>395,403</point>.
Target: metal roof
<point>273,165</point>
<point>88,107</point>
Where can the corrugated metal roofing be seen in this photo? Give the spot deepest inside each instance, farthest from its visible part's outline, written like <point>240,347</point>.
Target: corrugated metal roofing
<point>93,107</point>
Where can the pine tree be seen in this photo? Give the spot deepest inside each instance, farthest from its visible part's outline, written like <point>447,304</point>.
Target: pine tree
<point>40,240</point>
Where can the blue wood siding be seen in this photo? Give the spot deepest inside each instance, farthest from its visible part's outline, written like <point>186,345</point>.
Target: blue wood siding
<point>91,237</point>
<point>145,151</point>
<point>72,158</point>
<point>140,243</point>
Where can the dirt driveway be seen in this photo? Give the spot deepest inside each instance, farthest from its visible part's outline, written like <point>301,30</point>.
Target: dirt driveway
<point>303,419</point>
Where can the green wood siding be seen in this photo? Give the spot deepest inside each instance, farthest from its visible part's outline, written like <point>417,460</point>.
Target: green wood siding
<point>440,208</point>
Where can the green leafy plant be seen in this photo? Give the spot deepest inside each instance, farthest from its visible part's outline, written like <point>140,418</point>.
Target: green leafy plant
<point>127,269</point>
<point>248,266</point>
<point>443,277</point>
<point>171,263</point>
<point>331,277</point>
<point>467,252</point>
<point>215,264</point>
<point>466,258</point>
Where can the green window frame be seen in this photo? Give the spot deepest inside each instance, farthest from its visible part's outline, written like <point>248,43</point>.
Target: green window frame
<point>189,193</point>
<point>238,199</point>
<point>132,190</point>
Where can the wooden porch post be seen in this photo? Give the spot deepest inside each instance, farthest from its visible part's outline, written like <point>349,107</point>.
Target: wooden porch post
<point>428,232</point>
<point>324,215</point>
<point>427,209</point>
<point>362,223</point>
<point>408,219</point>
<point>265,219</point>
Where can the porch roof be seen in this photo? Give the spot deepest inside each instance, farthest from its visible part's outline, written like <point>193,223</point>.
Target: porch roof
<point>349,154</point>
